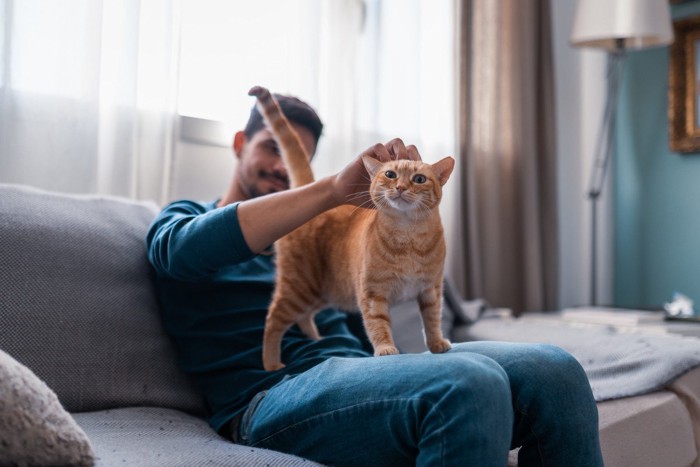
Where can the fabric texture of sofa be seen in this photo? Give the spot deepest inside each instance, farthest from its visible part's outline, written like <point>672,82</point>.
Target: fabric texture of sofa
<point>78,309</point>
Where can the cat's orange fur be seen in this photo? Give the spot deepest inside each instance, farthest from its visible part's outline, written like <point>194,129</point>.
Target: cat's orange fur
<point>356,258</point>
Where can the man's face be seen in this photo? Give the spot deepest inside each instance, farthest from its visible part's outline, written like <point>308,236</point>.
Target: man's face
<point>260,168</point>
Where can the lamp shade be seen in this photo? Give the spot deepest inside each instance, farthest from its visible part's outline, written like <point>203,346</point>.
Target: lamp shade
<point>633,24</point>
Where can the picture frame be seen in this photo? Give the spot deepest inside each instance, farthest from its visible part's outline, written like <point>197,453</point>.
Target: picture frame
<point>683,90</point>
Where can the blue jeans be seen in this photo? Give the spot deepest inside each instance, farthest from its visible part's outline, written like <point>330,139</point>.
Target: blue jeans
<point>466,407</point>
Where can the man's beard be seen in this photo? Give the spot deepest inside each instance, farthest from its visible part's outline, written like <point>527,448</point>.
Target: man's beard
<point>281,184</point>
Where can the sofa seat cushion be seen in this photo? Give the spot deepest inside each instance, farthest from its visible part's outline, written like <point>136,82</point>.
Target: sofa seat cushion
<point>78,303</point>
<point>687,388</point>
<point>618,362</point>
<point>646,431</point>
<point>153,437</point>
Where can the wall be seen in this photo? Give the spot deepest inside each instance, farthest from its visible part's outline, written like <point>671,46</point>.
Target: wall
<point>657,192</point>
<point>579,97</point>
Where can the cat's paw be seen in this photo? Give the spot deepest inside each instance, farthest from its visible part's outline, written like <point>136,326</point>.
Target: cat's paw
<point>257,91</point>
<point>273,366</point>
<point>439,346</point>
<point>382,350</point>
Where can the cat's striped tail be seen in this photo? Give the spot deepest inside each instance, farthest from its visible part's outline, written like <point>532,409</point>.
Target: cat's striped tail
<point>293,152</point>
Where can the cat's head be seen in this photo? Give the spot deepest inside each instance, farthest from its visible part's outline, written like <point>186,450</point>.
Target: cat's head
<point>412,187</point>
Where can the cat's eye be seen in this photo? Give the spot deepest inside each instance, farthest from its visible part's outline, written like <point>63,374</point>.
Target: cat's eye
<point>419,178</point>
<point>390,174</point>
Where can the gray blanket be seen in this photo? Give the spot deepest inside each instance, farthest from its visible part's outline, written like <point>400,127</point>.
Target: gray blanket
<point>618,364</point>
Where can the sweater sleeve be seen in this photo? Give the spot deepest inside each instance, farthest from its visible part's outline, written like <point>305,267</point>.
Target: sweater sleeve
<point>189,240</point>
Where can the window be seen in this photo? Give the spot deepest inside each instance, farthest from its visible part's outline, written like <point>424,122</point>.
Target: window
<point>373,69</point>
<point>229,46</point>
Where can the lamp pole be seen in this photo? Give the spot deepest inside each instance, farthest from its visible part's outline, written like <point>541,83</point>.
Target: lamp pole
<point>604,149</point>
<point>615,25</point>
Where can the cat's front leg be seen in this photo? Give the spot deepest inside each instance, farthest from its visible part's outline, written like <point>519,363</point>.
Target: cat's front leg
<point>280,317</point>
<point>272,344</point>
<point>377,321</point>
<point>430,302</point>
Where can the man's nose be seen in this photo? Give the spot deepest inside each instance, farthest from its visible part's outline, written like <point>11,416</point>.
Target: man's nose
<point>279,167</point>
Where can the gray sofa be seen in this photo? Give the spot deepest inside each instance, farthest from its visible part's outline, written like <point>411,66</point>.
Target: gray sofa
<point>78,308</point>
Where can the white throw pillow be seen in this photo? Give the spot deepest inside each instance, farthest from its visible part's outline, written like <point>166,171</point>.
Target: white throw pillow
<point>35,429</point>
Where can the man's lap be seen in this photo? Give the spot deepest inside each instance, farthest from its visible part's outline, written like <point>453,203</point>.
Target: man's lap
<point>339,383</point>
<point>425,408</point>
<point>352,404</point>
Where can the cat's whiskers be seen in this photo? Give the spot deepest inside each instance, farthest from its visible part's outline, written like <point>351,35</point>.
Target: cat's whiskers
<point>362,196</point>
<point>382,202</point>
<point>422,204</point>
<point>365,206</point>
<point>426,206</point>
<point>354,197</point>
<point>357,195</point>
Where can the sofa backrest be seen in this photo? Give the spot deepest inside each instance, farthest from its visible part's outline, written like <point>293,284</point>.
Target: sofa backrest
<point>78,304</point>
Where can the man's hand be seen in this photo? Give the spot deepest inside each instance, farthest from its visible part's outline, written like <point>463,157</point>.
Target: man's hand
<point>351,185</point>
<point>265,219</point>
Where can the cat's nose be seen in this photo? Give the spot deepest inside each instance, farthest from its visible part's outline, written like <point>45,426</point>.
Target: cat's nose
<point>400,188</point>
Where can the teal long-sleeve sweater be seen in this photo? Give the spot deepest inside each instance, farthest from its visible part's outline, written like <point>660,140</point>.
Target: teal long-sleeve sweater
<point>214,294</point>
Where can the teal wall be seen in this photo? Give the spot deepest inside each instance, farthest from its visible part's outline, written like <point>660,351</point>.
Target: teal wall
<point>657,192</point>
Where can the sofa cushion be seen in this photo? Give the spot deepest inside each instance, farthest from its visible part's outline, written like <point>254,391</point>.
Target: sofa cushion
<point>78,304</point>
<point>646,431</point>
<point>155,437</point>
<point>619,362</point>
<point>34,428</point>
<point>687,389</point>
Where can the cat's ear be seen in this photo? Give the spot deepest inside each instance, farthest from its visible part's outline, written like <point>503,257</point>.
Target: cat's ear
<point>372,165</point>
<point>443,168</point>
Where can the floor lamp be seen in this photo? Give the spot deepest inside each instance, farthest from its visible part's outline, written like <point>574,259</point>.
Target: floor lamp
<point>615,26</point>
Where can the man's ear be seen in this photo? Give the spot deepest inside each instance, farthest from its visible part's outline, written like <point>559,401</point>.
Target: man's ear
<point>239,140</point>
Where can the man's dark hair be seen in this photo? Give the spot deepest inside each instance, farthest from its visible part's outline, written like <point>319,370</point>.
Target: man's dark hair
<point>296,111</point>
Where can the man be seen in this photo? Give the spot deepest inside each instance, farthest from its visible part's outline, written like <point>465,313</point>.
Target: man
<point>334,402</point>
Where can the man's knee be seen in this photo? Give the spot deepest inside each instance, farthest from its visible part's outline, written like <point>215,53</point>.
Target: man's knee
<point>558,365</point>
<point>560,377</point>
<point>477,400</point>
<point>472,379</point>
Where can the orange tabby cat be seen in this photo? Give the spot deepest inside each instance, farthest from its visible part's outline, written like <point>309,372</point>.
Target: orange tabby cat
<point>354,258</point>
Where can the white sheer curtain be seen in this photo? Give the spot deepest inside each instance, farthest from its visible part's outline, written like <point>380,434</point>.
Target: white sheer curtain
<point>87,95</point>
<point>388,69</point>
<point>406,76</point>
<point>405,85</point>
<point>373,69</point>
<point>90,90</point>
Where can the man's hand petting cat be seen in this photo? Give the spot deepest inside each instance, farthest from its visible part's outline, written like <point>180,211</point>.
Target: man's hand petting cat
<point>351,184</point>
